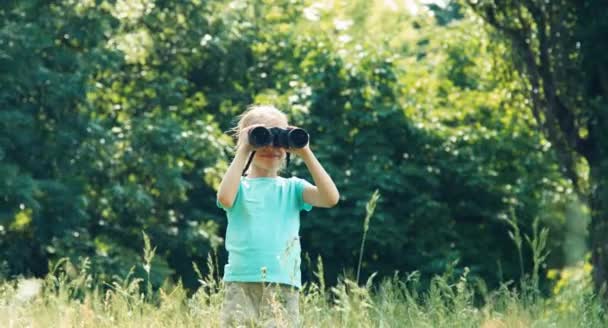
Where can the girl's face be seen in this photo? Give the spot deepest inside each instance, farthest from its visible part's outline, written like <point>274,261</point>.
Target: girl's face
<point>270,159</point>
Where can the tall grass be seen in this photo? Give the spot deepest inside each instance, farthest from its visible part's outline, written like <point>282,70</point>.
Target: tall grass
<point>369,212</point>
<point>70,296</point>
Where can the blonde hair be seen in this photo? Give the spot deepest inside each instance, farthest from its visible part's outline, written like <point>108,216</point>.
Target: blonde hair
<point>259,114</point>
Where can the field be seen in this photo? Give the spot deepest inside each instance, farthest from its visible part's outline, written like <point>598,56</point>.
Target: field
<point>70,297</point>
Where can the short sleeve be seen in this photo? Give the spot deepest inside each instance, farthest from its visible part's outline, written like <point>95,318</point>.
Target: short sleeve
<point>236,198</point>
<point>300,185</point>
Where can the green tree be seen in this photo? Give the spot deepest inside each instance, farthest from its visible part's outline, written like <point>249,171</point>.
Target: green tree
<point>126,135</point>
<point>49,53</point>
<point>159,167</point>
<point>559,51</point>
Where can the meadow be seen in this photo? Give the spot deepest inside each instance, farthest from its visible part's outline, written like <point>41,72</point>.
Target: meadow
<point>70,297</point>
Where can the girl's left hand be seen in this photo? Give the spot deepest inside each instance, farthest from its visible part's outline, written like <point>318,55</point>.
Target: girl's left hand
<point>300,151</point>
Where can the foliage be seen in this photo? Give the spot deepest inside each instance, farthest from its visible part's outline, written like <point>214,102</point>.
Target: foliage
<point>113,113</point>
<point>50,54</point>
<point>555,48</point>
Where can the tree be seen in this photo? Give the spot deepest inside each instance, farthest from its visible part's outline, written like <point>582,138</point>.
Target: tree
<point>112,120</point>
<point>559,51</point>
<point>50,50</point>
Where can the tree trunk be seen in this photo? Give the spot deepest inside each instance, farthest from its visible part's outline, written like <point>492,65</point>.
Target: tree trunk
<point>599,224</point>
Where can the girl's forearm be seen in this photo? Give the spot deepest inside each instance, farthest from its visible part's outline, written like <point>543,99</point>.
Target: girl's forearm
<point>230,182</point>
<point>325,185</point>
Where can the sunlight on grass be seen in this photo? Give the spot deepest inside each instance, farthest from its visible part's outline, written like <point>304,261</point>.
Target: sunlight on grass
<point>71,297</point>
<point>71,300</point>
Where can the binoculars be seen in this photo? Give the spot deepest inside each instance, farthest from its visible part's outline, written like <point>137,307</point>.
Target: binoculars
<point>278,137</point>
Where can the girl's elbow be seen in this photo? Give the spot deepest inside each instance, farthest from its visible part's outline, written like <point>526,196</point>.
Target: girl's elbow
<point>333,201</point>
<point>225,201</point>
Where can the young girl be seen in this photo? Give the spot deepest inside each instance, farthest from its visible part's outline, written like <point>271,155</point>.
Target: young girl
<point>262,277</point>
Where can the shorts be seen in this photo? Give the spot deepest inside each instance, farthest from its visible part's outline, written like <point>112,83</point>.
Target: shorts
<point>260,305</point>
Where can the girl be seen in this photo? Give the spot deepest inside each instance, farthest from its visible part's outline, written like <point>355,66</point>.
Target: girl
<point>262,277</point>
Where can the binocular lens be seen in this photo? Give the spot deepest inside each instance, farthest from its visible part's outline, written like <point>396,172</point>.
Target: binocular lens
<point>259,136</point>
<point>298,138</point>
<point>277,137</point>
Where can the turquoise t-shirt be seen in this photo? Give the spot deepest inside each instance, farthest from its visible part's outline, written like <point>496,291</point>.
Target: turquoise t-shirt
<point>262,238</point>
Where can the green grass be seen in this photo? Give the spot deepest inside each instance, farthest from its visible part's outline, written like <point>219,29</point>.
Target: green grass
<point>69,297</point>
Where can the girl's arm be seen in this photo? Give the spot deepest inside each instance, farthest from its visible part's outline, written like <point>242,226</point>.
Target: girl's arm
<point>229,186</point>
<point>324,193</point>
<point>231,180</point>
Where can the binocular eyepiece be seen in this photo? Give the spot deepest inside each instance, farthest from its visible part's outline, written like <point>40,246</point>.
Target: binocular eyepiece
<point>278,137</point>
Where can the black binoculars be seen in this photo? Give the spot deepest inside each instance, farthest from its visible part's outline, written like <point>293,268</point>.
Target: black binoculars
<point>278,137</point>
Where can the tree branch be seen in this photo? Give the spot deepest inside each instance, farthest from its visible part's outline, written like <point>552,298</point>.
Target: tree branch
<point>563,116</point>
<point>558,122</point>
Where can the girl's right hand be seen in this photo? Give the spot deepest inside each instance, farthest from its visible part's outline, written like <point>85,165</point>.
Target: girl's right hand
<point>243,142</point>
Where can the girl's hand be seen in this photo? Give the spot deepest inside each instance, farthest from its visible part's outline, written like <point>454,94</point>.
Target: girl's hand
<point>300,151</point>
<point>243,144</point>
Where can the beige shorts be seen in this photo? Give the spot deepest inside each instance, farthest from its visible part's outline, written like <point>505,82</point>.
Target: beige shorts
<point>260,305</point>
